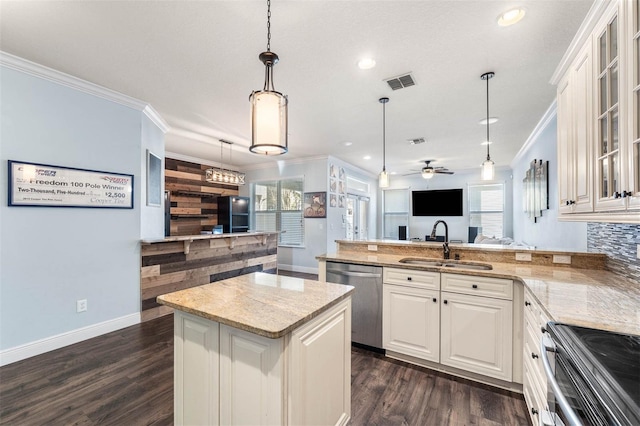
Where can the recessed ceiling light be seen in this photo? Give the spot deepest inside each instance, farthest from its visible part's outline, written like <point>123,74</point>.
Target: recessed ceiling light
<point>366,63</point>
<point>393,173</point>
<point>347,143</point>
<point>367,157</point>
<point>511,17</point>
<point>491,120</point>
<point>486,143</point>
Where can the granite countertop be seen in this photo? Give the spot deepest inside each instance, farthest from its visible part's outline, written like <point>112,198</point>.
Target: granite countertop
<point>264,304</point>
<point>586,297</point>
<point>204,237</point>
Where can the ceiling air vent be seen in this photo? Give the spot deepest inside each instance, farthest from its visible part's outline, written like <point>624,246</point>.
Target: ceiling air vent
<point>401,81</point>
<point>416,141</point>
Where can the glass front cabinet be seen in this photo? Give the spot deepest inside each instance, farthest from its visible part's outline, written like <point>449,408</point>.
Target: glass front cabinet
<point>613,130</point>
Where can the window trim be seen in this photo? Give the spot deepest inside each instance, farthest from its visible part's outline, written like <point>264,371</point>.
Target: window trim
<point>278,211</point>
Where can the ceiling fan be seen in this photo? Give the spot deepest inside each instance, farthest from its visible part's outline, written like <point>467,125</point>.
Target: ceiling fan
<point>429,171</point>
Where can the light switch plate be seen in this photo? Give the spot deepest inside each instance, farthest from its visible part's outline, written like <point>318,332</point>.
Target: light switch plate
<point>372,247</point>
<point>560,258</point>
<point>525,257</point>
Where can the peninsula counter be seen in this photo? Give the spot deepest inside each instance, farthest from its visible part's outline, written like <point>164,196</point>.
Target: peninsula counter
<point>262,349</point>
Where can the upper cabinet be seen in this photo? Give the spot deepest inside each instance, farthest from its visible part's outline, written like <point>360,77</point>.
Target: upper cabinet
<point>598,124</point>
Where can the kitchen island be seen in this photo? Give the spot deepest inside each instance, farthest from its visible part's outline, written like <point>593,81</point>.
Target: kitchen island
<point>180,262</point>
<point>262,349</point>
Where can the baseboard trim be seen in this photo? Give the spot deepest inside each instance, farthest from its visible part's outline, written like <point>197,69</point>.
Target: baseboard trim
<point>294,268</point>
<point>18,353</point>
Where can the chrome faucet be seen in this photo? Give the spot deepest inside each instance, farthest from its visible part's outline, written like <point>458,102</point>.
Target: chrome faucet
<point>445,246</point>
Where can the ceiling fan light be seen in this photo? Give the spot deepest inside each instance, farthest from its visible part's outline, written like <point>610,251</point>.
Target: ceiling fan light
<point>488,170</point>
<point>428,174</point>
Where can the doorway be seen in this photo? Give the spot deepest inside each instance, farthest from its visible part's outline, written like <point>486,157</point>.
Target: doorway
<point>357,217</point>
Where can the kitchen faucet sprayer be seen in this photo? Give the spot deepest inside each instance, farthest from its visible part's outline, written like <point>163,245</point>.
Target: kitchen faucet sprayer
<point>445,247</point>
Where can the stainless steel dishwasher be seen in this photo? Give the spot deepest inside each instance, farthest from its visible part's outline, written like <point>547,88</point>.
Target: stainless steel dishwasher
<point>366,302</point>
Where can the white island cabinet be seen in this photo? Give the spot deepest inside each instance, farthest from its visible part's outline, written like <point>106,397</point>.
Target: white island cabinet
<point>262,349</point>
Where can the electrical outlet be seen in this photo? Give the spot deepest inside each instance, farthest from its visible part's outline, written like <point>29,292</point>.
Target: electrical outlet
<point>372,247</point>
<point>560,258</point>
<point>81,305</point>
<point>524,257</point>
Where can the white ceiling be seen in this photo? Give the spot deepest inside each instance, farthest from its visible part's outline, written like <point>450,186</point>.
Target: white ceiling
<point>196,62</point>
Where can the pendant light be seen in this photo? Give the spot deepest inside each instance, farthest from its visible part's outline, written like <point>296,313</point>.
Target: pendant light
<point>268,107</point>
<point>383,179</point>
<point>488,170</point>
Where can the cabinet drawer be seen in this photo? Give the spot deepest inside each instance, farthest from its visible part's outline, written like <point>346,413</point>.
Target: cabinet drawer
<point>532,357</point>
<point>477,286</point>
<point>411,278</point>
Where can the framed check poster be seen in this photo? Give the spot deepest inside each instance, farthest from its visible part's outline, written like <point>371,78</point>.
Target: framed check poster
<point>43,185</point>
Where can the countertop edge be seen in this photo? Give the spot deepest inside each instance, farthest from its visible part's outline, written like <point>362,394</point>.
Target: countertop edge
<point>179,238</point>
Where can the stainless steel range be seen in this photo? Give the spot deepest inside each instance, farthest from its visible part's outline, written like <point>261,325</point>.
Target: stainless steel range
<point>594,376</point>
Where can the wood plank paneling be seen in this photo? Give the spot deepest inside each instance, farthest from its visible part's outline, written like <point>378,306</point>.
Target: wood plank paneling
<point>194,206</point>
<point>165,267</point>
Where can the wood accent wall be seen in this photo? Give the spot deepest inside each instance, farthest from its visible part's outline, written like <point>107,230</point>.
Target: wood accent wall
<point>194,206</point>
<point>167,268</point>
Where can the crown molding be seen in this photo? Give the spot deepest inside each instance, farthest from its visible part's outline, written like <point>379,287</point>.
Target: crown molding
<point>20,64</point>
<point>547,117</point>
<point>597,10</point>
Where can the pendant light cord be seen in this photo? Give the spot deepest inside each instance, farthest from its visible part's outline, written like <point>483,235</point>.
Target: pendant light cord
<point>268,25</point>
<point>384,136</point>
<point>488,157</point>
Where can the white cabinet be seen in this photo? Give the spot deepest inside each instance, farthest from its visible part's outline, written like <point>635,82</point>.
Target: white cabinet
<point>411,321</point>
<point>477,334</point>
<point>411,313</point>
<point>535,380</point>
<point>460,321</point>
<point>575,136</point>
<point>228,376</point>
<point>598,118</point>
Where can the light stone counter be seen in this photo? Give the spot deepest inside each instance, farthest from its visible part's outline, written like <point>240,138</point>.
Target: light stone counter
<point>587,297</point>
<point>263,304</point>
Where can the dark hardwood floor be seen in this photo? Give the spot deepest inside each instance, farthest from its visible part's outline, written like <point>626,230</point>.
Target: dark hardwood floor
<point>126,378</point>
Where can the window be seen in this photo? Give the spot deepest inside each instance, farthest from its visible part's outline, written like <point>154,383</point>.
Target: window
<point>486,209</point>
<point>278,207</point>
<point>395,212</point>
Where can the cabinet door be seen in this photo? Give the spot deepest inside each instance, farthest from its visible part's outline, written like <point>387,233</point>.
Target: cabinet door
<point>632,193</point>
<point>196,370</point>
<point>251,375</point>
<point>582,83</point>
<point>411,321</point>
<point>565,157</point>
<point>320,370</point>
<point>477,334</point>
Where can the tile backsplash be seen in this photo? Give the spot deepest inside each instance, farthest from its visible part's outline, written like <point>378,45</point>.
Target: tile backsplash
<point>619,241</point>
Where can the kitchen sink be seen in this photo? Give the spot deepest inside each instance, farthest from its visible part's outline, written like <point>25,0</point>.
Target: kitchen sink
<point>446,263</point>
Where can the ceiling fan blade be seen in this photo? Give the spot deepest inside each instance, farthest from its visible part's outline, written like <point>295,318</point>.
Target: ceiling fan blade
<point>412,173</point>
<point>444,172</point>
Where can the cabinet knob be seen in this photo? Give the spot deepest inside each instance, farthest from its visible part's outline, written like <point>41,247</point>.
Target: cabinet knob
<point>474,286</point>
<point>544,330</point>
<point>533,355</point>
<point>435,300</point>
<point>408,278</point>
<point>445,302</point>
<point>527,303</point>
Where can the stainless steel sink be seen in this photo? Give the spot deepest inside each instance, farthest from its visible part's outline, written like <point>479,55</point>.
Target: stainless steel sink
<point>446,263</point>
<point>421,261</point>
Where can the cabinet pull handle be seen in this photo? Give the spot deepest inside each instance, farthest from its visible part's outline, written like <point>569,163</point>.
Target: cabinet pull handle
<point>534,411</point>
<point>527,303</point>
<point>474,286</point>
<point>544,330</point>
<point>408,278</point>
<point>533,355</point>
<point>435,300</point>
<point>626,194</point>
<point>617,195</point>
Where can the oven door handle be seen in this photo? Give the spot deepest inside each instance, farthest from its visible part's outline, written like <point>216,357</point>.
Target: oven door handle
<point>547,345</point>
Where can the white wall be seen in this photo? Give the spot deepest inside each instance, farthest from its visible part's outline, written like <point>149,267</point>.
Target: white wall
<point>547,232</point>
<point>419,227</point>
<point>51,257</point>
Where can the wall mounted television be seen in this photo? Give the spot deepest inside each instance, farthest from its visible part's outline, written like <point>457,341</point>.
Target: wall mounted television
<point>437,202</point>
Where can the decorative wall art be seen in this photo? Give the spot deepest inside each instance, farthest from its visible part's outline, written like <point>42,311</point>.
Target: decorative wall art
<point>536,189</point>
<point>44,185</point>
<point>315,204</point>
